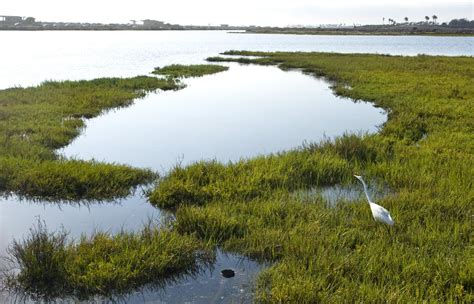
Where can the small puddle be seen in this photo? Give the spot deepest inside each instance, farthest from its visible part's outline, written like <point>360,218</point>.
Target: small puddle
<point>335,194</point>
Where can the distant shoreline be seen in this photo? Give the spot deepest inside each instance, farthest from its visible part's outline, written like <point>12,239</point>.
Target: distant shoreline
<point>328,32</point>
<point>370,30</point>
<point>386,30</point>
<point>29,29</point>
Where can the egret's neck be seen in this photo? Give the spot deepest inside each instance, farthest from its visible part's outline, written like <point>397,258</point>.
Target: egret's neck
<point>365,190</point>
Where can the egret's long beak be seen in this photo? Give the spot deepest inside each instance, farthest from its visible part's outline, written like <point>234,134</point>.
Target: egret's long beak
<point>358,176</point>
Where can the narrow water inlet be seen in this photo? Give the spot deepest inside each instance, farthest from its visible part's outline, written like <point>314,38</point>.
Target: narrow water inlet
<point>244,112</point>
<point>332,195</point>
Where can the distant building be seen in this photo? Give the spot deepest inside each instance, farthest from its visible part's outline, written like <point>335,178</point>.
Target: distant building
<point>153,23</point>
<point>29,20</point>
<point>11,19</point>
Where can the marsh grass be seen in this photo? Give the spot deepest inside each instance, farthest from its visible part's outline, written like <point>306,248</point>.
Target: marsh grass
<point>52,266</point>
<point>38,120</point>
<point>185,71</point>
<point>424,153</point>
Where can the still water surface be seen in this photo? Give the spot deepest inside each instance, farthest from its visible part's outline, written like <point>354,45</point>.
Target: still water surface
<point>246,111</point>
<point>31,57</point>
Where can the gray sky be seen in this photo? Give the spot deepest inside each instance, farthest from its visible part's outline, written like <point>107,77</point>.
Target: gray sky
<point>245,12</point>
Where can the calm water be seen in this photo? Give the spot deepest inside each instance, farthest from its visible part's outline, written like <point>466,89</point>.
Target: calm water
<point>246,111</point>
<point>31,57</point>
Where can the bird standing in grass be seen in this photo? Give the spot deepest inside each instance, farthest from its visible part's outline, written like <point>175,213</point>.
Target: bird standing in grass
<point>379,213</point>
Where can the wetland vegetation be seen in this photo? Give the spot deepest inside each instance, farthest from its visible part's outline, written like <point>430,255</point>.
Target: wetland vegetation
<point>54,266</point>
<point>36,121</point>
<point>195,70</point>
<point>319,253</point>
<point>424,152</point>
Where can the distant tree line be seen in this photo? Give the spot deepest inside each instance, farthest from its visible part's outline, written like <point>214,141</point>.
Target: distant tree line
<point>461,23</point>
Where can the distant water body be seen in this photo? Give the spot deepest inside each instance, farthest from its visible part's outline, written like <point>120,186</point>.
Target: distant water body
<point>28,58</point>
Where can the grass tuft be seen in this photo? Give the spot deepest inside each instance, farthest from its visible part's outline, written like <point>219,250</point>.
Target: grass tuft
<point>51,267</point>
<point>185,71</point>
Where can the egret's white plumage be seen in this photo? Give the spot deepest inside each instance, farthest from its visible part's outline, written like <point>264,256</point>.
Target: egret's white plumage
<point>378,212</point>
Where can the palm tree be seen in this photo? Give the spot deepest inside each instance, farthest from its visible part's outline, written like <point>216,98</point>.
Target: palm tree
<point>383,20</point>
<point>434,17</point>
<point>427,19</point>
<point>406,19</point>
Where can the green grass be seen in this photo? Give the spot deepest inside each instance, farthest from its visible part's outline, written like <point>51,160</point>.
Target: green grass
<point>424,153</point>
<point>54,267</point>
<point>48,266</point>
<point>206,181</point>
<point>184,71</point>
<point>36,121</point>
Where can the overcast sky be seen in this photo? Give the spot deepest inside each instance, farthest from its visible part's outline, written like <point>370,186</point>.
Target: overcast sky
<point>243,12</point>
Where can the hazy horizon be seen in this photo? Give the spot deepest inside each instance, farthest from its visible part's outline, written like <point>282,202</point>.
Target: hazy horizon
<point>244,12</point>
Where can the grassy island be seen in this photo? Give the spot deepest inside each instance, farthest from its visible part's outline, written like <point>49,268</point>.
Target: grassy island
<point>184,71</point>
<point>54,268</point>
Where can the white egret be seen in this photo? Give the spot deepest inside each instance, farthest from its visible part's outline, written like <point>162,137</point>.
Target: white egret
<point>378,212</point>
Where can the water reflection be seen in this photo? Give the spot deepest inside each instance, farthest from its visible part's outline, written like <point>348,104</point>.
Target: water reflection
<point>246,111</point>
<point>206,285</point>
<point>209,286</point>
<point>17,216</point>
<point>335,194</point>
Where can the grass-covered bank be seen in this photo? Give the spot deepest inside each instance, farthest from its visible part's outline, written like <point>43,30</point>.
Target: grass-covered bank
<point>48,266</point>
<point>195,70</point>
<point>35,121</point>
<point>38,120</point>
<point>424,152</point>
<point>54,267</point>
